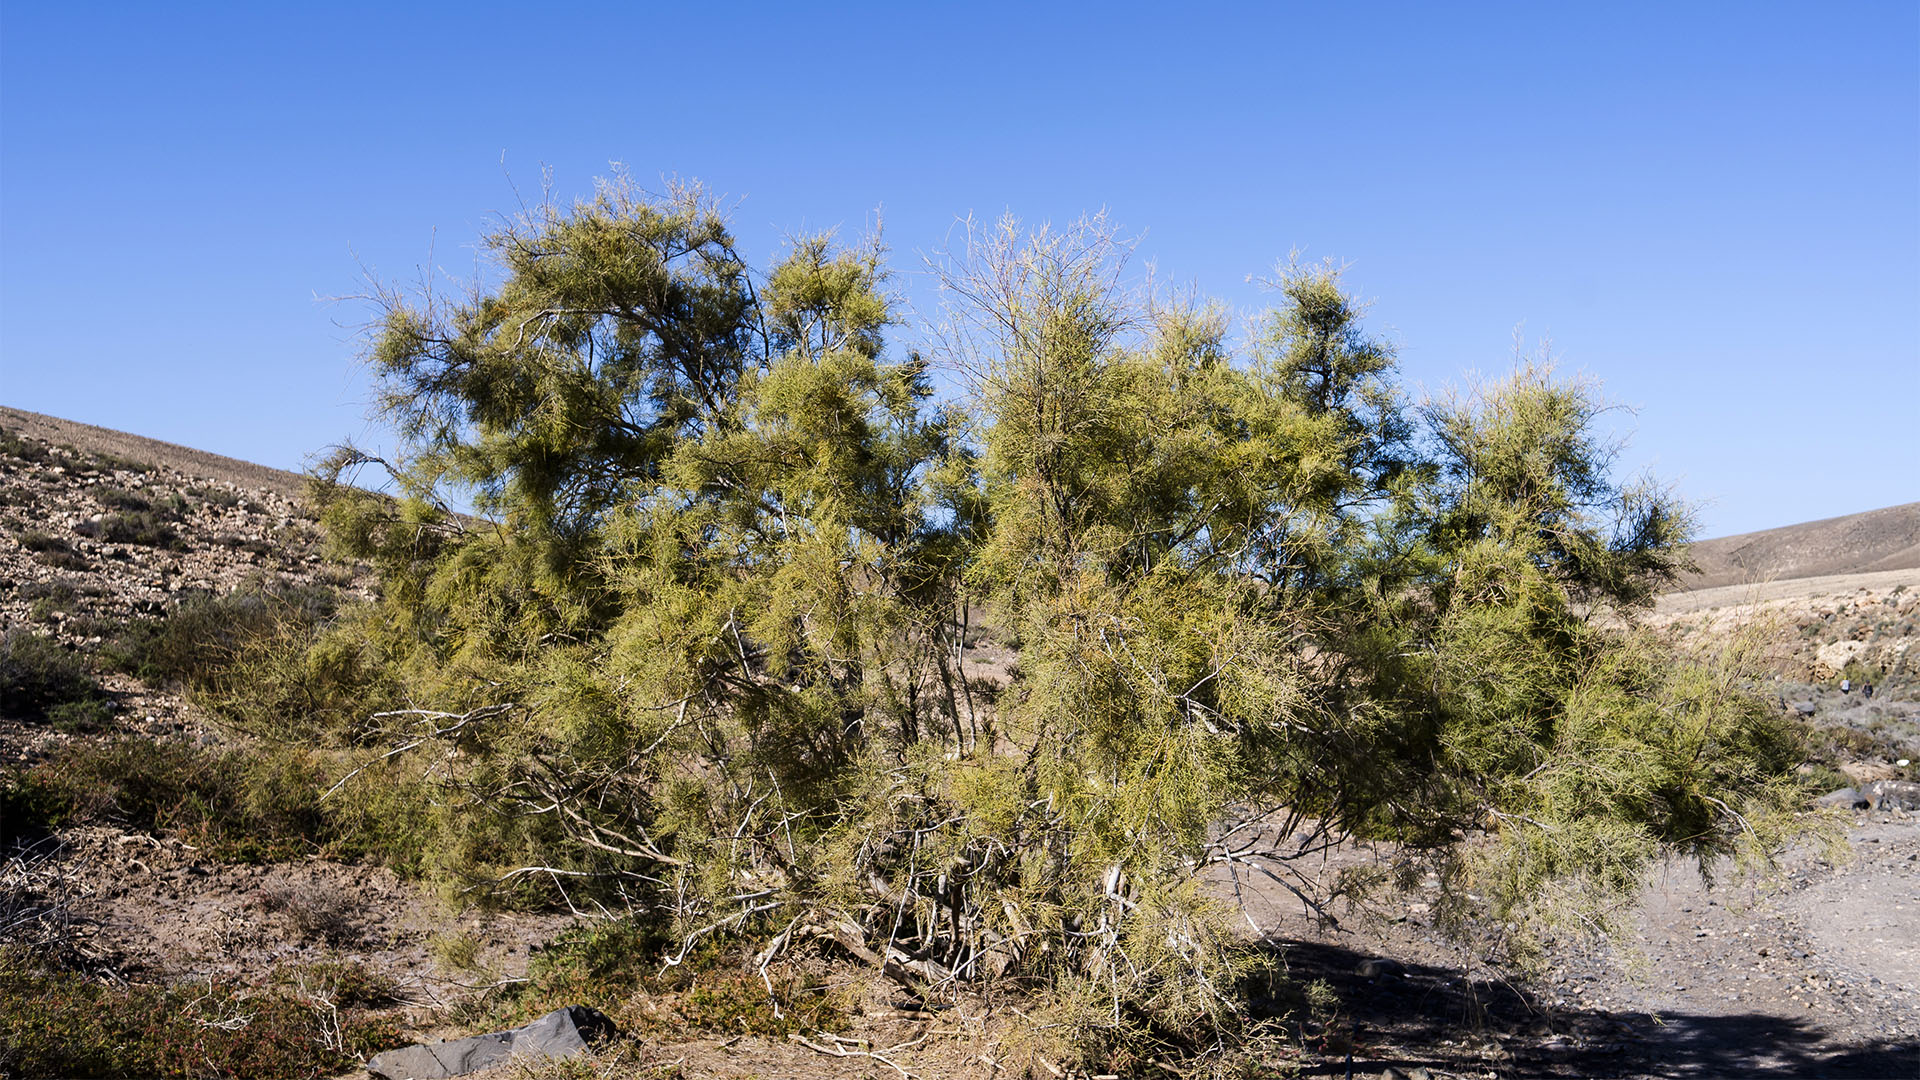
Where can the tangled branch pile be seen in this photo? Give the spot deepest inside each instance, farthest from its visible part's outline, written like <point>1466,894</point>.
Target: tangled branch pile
<point>703,646</point>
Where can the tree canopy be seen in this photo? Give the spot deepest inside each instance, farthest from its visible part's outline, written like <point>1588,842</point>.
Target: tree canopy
<point>705,644</point>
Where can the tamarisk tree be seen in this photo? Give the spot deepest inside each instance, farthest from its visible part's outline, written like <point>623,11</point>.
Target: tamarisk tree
<point>703,644</point>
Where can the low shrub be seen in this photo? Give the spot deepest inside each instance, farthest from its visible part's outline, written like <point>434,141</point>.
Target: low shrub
<point>15,447</point>
<point>194,643</point>
<point>144,528</point>
<point>29,806</point>
<point>618,967</point>
<point>63,558</point>
<point>1861,675</point>
<point>39,542</point>
<point>270,659</point>
<point>41,681</point>
<point>243,543</point>
<point>61,1023</point>
<point>114,498</point>
<point>218,497</point>
<point>247,804</point>
<point>110,462</point>
<point>49,598</point>
<point>346,983</point>
<point>314,910</point>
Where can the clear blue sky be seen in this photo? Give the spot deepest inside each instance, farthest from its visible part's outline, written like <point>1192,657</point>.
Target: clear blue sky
<point>1714,208</point>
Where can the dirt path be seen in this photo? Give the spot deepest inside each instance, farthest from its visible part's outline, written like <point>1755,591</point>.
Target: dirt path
<point>1812,968</point>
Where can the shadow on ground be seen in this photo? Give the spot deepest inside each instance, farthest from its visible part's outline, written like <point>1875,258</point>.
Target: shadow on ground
<point>1408,1016</point>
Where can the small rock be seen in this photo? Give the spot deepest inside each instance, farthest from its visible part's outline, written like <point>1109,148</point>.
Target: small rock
<point>558,1034</point>
<point>1895,795</point>
<point>1379,966</point>
<point>1848,798</point>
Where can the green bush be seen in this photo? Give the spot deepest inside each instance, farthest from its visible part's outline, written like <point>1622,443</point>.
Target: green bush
<point>269,659</point>
<point>145,528</point>
<point>617,966</point>
<point>37,541</point>
<point>249,804</point>
<point>1861,674</point>
<point>48,599</point>
<point>192,645</point>
<point>15,447</point>
<point>40,680</point>
<point>114,498</point>
<point>61,1023</point>
<point>218,497</point>
<point>50,550</point>
<point>29,805</point>
<point>109,462</point>
<point>344,982</point>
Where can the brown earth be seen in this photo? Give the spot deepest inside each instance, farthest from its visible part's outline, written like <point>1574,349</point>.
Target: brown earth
<point>1870,542</point>
<point>1809,968</point>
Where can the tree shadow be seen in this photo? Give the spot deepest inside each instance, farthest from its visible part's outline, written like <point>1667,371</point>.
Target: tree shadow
<point>1414,1015</point>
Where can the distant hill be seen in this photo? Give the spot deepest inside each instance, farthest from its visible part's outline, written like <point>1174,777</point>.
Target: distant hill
<point>1870,542</point>
<point>99,440</point>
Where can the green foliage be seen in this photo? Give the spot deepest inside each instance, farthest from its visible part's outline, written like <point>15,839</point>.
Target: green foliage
<point>29,805</point>
<point>37,541</point>
<point>60,1023</point>
<point>147,528</point>
<point>221,498</point>
<point>106,461</point>
<point>20,449</point>
<point>237,805</point>
<point>276,660</point>
<point>42,681</point>
<point>1861,674</point>
<point>50,550</point>
<point>615,966</point>
<point>48,599</point>
<point>702,649</point>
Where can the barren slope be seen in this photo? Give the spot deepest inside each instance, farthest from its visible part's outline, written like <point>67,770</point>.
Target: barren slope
<point>1877,540</point>
<point>182,459</point>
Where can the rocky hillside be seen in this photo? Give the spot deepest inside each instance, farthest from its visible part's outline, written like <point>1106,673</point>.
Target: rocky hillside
<point>108,529</point>
<point>110,445</point>
<point>1874,541</point>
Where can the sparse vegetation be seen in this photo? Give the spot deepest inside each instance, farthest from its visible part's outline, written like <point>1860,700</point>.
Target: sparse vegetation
<point>25,451</point>
<point>50,550</point>
<point>148,528</point>
<point>220,498</point>
<point>41,681</point>
<point>106,462</point>
<point>245,804</point>
<point>614,966</point>
<point>61,1023</point>
<point>193,644</point>
<point>316,912</point>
